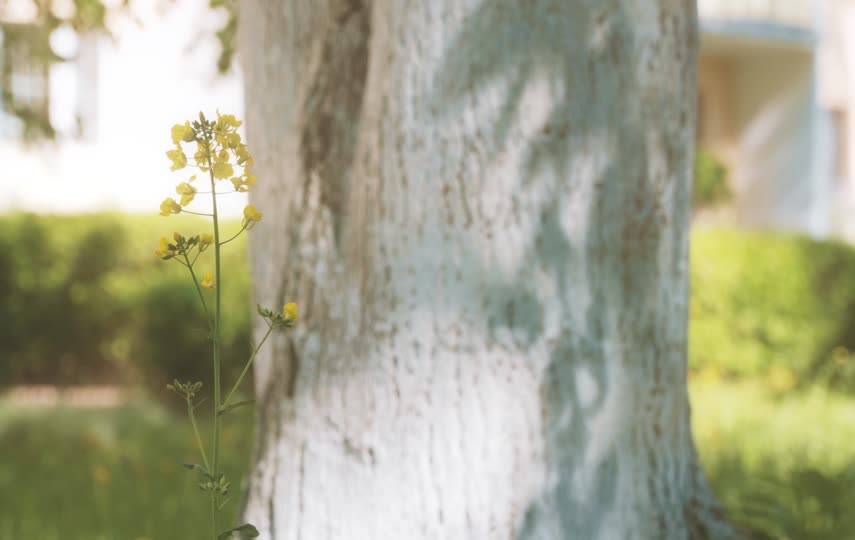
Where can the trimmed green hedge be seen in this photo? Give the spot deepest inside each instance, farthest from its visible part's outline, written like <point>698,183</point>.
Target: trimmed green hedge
<point>84,300</point>
<point>765,304</point>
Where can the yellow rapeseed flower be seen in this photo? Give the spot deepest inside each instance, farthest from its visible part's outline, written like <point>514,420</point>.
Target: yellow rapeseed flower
<point>208,281</point>
<point>251,215</point>
<point>179,159</point>
<point>182,133</point>
<point>223,169</point>
<point>206,240</point>
<point>187,193</point>
<point>232,140</point>
<point>290,312</point>
<point>201,155</point>
<point>169,206</point>
<point>243,183</point>
<point>163,250</point>
<point>227,121</point>
<point>243,155</point>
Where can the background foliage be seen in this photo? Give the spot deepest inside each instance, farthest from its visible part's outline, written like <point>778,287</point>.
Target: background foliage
<point>775,306</point>
<point>711,186</point>
<point>85,301</point>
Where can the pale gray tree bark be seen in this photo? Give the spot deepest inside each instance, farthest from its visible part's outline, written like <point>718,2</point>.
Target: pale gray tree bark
<point>482,208</point>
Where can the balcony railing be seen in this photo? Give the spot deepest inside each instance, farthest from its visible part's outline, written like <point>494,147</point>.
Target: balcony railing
<point>792,13</point>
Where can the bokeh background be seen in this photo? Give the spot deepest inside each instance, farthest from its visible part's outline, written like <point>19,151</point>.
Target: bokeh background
<point>92,325</point>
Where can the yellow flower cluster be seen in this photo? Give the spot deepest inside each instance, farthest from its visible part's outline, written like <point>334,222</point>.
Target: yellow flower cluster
<point>220,151</point>
<point>169,207</point>
<point>251,216</point>
<point>290,312</point>
<point>181,245</point>
<point>208,281</point>
<point>287,317</point>
<point>187,193</point>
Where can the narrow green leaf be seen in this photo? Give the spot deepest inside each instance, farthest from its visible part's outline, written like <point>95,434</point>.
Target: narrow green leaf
<point>196,467</point>
<point>235,405</point>
<point>245,531</point>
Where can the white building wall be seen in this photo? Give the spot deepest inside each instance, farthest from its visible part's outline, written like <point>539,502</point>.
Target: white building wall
<point>158,69</point>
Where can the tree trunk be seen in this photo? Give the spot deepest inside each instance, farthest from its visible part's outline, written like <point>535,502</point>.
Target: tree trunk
<point>482,207</point>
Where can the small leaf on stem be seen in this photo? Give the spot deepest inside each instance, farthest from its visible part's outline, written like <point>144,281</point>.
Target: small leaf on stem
<point>235,405</point>
<point>244,531</point>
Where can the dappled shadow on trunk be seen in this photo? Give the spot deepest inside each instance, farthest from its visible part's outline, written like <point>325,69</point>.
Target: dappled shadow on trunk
<point>603,113</point>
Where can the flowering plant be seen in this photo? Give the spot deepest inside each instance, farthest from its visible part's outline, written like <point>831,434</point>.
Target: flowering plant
<point>220,154</point>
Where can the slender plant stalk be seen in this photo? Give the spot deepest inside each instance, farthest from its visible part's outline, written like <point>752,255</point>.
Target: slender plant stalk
<point>208,135</point>
<point>215,450</point>
<point>192,415</point>
<point>248,365</point>
<point>199,291</point>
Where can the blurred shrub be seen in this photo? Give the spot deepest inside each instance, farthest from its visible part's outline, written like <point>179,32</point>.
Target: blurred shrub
<point>711,187</point>
<point>83,300</point>
<point>774,305</point>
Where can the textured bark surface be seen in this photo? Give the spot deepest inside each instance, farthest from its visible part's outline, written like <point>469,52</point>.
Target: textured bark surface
<point>482,208</point>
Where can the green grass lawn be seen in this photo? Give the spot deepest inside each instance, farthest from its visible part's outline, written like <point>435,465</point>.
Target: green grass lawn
<point>782,462</point>
<point>109,474</point>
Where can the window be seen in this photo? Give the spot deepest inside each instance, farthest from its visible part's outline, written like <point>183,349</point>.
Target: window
<point>839,120</point>
<point>24,77</point>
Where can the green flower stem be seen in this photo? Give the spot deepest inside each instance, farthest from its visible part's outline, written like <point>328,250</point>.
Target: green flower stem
<point>215,459</point>
<point>201,446</point>
<point>198,288</point>
<point>247,366</point>
<point>214,510</point>
<point>243,228</point>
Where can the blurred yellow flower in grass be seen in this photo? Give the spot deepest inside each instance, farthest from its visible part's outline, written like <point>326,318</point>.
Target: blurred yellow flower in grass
<point>251,216</point>
<point>290,312</point>
<point>187,193</point>
<point>782,378</point>
<point>840,356</point>
<point>101,475</point>
<point>169,206</point>
<point>208,281</point>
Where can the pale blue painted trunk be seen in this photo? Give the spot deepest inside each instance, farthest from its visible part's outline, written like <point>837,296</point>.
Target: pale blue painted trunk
<point>483,207</point>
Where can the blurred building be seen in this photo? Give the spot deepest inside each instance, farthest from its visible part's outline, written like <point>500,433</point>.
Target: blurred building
<point>776,82</point>
<point>109,98</point>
